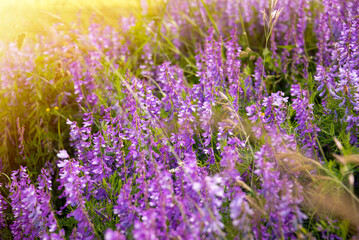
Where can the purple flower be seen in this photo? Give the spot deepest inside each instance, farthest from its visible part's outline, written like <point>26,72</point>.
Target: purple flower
<point>124,208</point>
<point>73,189</point>
<point>241,214</point>
<point>34,217</point>
<point>306,128</point>
<point>259,74</point>
<point>20,185</point>
<point>281,201</point>
<point>114,235</point>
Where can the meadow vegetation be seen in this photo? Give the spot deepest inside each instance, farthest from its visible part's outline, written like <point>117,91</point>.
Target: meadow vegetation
<point>181,119</point>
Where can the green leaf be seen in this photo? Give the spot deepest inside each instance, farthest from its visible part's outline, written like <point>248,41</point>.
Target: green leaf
<point>288,47</point>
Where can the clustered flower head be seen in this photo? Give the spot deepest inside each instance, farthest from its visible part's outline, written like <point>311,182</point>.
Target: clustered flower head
<point>306,128</point>
<point>34,216</point>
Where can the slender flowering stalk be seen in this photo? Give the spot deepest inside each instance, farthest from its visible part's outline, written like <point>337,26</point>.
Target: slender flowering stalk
<point>20,185</point>
<point>50,228</point>
<point>74,188</point>
<point>281,201</point>
<point>306,129</point>
<point>240,213</point>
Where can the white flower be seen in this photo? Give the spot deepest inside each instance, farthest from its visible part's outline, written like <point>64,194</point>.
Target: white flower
<point>63,154</point>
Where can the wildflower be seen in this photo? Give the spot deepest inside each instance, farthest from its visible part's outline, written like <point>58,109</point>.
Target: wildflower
<point>34,217</point>
<point>74,187</point>
<point>63,154</point>
<point>241,213</point>
<point>282,203</point>
<point>306,129</point>
<point>114,235</point>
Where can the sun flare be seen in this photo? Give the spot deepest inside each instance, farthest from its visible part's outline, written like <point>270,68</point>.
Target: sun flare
<point>34,16</point>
